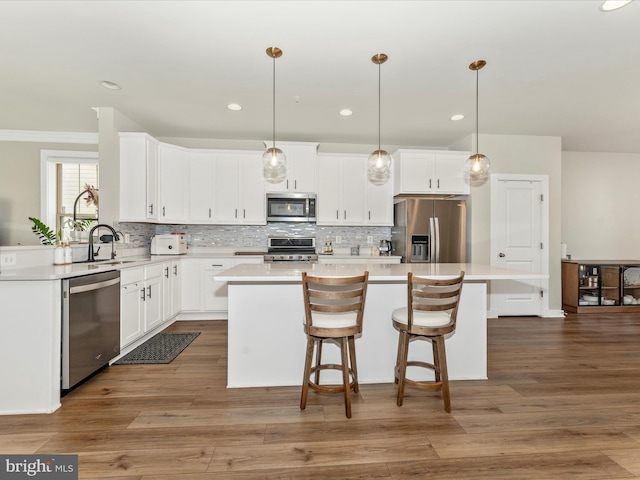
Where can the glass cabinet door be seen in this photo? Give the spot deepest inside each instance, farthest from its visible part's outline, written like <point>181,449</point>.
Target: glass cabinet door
<point>610,285</point>
<point>589,285</point>
<point>631,285</point>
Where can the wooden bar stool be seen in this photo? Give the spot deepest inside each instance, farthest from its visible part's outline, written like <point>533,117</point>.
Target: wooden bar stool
<point>334,307</point>
<point>431,311</point>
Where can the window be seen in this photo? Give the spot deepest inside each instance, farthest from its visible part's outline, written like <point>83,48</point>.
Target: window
<point>72,196</point>
<point>60,186</point>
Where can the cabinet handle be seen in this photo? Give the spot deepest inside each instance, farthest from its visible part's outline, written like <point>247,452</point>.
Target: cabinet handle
<point>149,291</point>
<point>429,184</point>
<point>216,265</point>
<point>166,272</point>
<point>151,209</point>
<point>337,215</point>
<point>236,214</point>
<point>369,214</point>
<point>287,184</point>
<point>144,297</point>
<point>345,214</point>
<point>163,211</point>
<point>175,270</point>
<point>295,184</point>
<point>438,185</point>
<point>244,213</point>
<point>209,212</point>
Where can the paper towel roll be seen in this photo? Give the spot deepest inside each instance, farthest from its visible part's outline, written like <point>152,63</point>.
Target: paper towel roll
<point>563,250</point>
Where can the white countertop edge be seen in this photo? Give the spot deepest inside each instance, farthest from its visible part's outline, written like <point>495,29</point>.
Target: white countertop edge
<point>279,273</point>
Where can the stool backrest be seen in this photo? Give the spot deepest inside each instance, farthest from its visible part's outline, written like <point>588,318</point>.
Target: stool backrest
<point>434,295</point>
<point>333,304</point>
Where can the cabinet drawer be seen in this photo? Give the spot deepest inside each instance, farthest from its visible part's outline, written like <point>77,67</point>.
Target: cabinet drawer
<point>130,275</point>
<point>152,271</point>
<point>218,263</point>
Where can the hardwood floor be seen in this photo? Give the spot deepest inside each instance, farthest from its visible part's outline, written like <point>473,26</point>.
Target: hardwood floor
<point>562,402</point>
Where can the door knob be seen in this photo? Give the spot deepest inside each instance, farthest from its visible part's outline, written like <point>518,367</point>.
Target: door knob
<point>501,255</point>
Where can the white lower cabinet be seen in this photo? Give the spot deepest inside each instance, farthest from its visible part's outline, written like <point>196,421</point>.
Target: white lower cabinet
<point>140,302</point>
<point>153,297</point>
<point>131,306</point>
<point>202,296</point>
<point>215,294</point>
<point>171,288</point>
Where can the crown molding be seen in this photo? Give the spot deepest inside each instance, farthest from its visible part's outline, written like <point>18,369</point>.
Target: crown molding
<point>86,138</point>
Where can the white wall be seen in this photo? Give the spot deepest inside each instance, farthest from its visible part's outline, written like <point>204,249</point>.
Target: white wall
<point>600,195</point>
<point>110,123</point>
<point>20,187</point>
<point>518,154</point>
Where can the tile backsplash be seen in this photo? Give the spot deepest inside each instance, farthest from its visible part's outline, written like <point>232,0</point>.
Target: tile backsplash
<point>243,236</point>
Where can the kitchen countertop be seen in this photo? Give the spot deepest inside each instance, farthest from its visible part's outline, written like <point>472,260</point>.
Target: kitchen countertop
<point>58,272</point>
<point>285,272</point>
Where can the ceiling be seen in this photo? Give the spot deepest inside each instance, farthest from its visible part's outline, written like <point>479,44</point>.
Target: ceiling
<point>558,68</point>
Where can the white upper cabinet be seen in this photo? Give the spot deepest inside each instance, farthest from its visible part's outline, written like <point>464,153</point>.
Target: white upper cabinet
<point>380,204</point>
<point>239,188</point>
<point>430,172</point>
<point>341,189</point>
<point>301,168</point>
<point>201,186</point>
<point>173,183</point>
<point>138,177</point>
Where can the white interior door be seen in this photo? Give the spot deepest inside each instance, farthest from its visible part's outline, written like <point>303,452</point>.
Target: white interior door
<point>519,241</point>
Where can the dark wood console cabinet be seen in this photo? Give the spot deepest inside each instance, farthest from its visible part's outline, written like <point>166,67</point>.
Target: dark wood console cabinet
<point>601,286</point>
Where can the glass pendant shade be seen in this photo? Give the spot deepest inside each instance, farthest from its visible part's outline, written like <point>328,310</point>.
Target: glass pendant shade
<point>379,167</point>
<point>274,165</point>
<point>477,166</point>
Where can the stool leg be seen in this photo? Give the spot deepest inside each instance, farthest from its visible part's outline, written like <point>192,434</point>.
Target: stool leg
<point>403,354</point>
<point>436,360</point>
<point>444,376</point>
<point>354,363</point>
<point>398,357</point>
<point>307,372</point>
<point>344,346</point>
<point>318,360</point>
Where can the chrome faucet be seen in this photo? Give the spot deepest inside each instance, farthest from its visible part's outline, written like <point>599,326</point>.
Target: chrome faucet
<point>114,238</point>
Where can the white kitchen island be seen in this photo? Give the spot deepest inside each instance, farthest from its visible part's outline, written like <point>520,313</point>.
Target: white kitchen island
<point>266,313</point>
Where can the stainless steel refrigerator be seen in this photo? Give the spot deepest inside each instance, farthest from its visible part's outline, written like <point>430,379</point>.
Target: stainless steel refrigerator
<point>430,230</point>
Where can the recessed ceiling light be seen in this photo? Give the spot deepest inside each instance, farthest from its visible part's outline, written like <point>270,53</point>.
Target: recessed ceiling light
<point>110,85</point>
<point>457,117</point>
<point>345,112</point>
<point>234,106</point>
<point>609,5</point>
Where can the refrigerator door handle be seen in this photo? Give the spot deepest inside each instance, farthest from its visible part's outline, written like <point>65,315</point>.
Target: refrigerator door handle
<point>437,242</point>
<point>432,240</point>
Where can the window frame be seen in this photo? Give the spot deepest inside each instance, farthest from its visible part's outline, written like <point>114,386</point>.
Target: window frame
<point>49,159</point>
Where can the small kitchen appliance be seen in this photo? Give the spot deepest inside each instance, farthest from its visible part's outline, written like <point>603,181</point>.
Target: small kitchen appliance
<point>169,244</point>
<point>385,248</point>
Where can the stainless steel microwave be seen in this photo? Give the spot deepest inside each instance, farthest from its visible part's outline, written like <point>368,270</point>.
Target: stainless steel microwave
<point>291,207</point>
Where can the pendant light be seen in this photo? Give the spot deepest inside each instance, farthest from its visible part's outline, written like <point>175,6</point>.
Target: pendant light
<point>274,162</point>
<point>477,165</point>
<point>379,163</point>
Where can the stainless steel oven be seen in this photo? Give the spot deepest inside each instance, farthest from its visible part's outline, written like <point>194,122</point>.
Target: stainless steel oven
<point>291,249</point>
<point>90,324</point>
<point>291,207</point>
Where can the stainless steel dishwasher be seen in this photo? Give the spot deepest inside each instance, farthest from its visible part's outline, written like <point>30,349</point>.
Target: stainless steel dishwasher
<point>90,324</point>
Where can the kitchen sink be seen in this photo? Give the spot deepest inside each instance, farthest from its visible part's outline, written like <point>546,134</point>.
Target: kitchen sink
<point>110,262</point>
